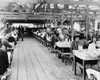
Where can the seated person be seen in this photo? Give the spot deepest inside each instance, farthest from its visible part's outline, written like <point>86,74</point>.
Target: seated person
<point>80,45</point>
<point>14,34</point>
<point>93,40</point>
<point>48,34</point>
<point>75,46</point>
<point>82,35</point>
<point>60,39</point>
<point>62,44</point>
<point>53,40</point>
<point>98,43</point>
<point>94,70</point>
<point>95,67</point>
<point>92,48</point>
<point>59,30</point>
<point>12,42</point>
<point>4,63</point>
<point>5,42</point>
<point>11,39</point>
<point>85,44</point>
<point>75,43</point>
<point>92,43</point>
<point>43,34</point>
<point>48,37</point>
<point>65,33</point>
<point>90,36</point>
<point>93,51</point>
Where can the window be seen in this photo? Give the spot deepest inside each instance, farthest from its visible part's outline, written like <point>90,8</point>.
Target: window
<point>60,6</point>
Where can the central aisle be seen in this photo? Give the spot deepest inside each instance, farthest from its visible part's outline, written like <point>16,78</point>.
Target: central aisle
<point>33,61</point>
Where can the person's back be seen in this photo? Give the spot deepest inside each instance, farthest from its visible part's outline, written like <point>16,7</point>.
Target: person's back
<point>6,44</point>
<point>11,39</point>
<point>4,64</point>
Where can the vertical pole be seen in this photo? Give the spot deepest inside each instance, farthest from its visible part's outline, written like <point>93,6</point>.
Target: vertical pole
<point>46,7</point>
<point>75,65</point>
<point>56,22</point>
<point>33,8</point>
<point>87,22</point>
<point>72,34</point>
<point>61,19</point>
<point>94,25</point>
<point>84,70</point>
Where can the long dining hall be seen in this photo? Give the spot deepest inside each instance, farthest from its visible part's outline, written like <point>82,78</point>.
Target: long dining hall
<point>49,40</point>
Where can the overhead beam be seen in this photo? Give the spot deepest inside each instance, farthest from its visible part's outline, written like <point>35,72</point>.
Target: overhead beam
<point>73,2</point>
<point>29,18</point>
<point>57,14</point>
<point>24,13</point>
<point>43,2</point>
<point>40,14</point>
<point>9,13</point>
<point>15,18</point>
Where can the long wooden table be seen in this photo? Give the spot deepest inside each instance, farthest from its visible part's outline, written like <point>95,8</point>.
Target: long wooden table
<point>84,59</point>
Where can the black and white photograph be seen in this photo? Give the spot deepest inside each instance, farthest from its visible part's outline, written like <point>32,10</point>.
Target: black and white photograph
<point>49,39</point>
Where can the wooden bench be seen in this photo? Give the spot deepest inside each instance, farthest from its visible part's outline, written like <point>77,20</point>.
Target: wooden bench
<point>65,56</point>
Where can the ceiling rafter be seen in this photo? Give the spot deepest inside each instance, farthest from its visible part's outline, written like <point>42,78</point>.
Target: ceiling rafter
<point>73,2</point>
<point>43,2</point>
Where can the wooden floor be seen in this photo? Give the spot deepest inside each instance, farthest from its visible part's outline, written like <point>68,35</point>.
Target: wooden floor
<point>33,61</point>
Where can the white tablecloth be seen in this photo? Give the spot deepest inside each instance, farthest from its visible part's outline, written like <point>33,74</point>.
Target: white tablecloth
<point>63,44</point>
<point>85,54</point>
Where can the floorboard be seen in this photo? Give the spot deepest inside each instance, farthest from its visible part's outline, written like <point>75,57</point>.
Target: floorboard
<point>22,72</point>
<point>33,61</point>
<point>14,67</point>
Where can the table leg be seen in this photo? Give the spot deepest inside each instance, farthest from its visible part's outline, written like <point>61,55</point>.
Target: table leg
<point>84,70</point>
<point>74,65</point>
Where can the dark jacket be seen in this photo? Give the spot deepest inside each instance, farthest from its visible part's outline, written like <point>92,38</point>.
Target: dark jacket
<point>74,45</point>
<point>11,39</point>
<point>3,61</point>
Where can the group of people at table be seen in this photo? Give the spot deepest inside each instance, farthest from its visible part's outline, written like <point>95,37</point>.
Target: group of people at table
<point>60,38</point>
<point>8,40</point>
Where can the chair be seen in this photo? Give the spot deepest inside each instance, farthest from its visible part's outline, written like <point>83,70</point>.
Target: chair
<point>66,54</point>
<point>5,75</point>
<point>94,78</point>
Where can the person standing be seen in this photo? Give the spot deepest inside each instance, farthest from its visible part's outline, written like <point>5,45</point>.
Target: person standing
<point>22,32</point>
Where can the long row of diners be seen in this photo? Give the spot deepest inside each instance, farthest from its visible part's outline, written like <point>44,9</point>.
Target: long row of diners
<point>9,37</point>
<point>83,52</point>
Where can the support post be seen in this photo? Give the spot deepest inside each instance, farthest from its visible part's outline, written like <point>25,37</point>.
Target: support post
<point>72,29</point>
<point>87,23</point>
<point>43,2</point>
